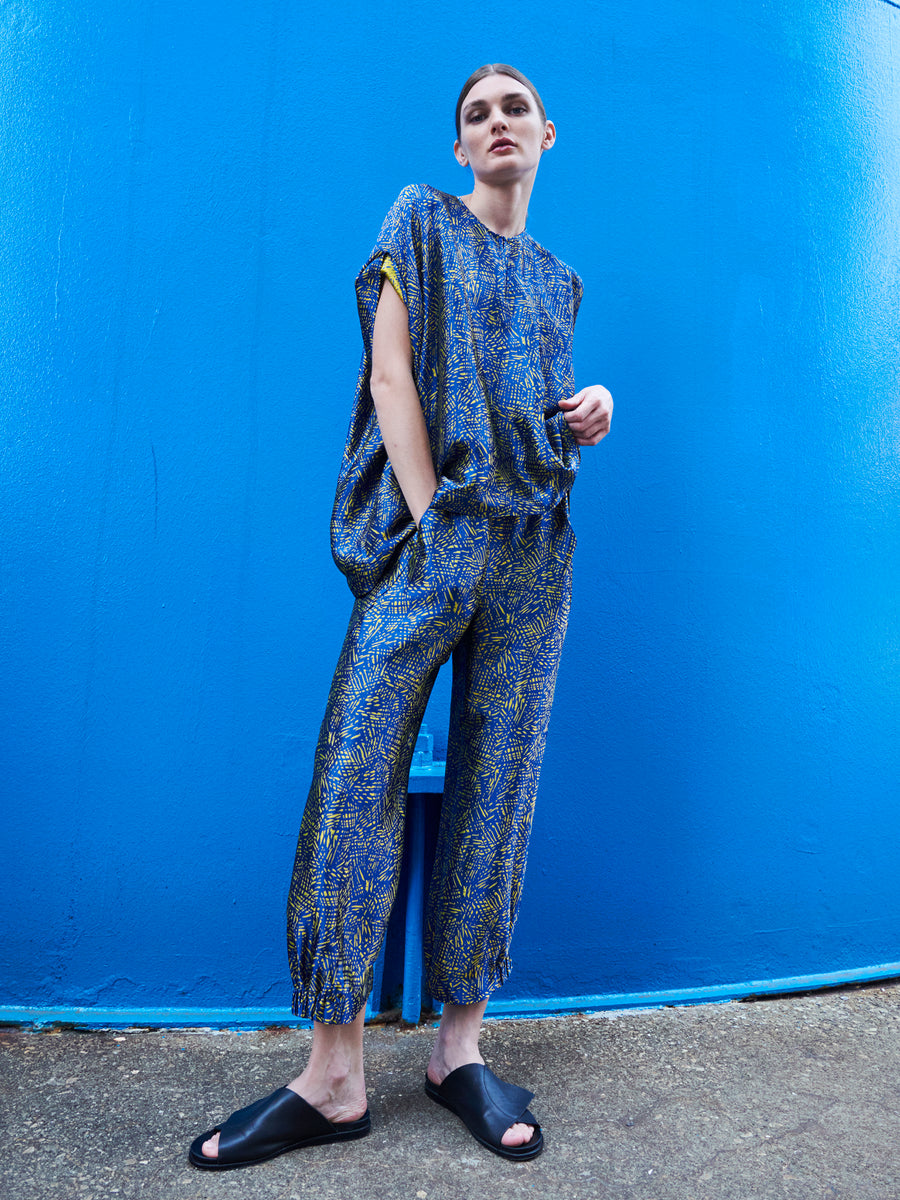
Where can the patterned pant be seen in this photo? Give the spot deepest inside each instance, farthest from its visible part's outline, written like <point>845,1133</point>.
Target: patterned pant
<point>493,592</point>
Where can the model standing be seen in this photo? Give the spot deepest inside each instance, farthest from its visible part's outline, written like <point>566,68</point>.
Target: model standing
<point>451,524</point>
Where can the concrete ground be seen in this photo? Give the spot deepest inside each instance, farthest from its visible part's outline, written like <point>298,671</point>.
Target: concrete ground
<point>795,1097</point>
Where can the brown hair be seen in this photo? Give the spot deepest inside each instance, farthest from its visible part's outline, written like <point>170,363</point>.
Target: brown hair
<point>496,69</point>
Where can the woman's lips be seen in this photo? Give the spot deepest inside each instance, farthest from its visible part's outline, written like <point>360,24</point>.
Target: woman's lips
<point>502,144</point>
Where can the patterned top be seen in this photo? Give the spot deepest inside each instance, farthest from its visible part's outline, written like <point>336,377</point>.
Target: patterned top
<point>490,322</point>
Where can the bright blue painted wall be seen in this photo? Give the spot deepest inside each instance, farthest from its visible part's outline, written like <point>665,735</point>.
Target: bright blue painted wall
<point>190,201</point>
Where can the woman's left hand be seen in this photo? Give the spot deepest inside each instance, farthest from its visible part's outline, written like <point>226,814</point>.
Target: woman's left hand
<point>589,414</point>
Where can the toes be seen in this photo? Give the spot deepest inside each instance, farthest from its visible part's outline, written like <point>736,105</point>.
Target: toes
<point>518,1135</point>
<point>211,1148</point>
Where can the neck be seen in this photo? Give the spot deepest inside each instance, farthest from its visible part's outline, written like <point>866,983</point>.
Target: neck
<point>502,207</point>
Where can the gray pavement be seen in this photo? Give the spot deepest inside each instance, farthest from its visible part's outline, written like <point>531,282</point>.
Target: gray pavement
<point>795,1097</point>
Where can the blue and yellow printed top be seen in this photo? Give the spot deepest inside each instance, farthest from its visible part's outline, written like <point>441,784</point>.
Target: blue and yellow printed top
<point>490,322</point>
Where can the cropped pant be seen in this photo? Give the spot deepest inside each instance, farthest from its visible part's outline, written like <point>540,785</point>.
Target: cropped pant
<point>493,592</point>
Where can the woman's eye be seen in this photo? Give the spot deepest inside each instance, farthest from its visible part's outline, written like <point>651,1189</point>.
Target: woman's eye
<point>518,109</point>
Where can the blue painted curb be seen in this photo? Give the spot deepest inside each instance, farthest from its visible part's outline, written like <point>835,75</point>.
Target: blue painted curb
<point>713,994</point>
<point>261,1018</point>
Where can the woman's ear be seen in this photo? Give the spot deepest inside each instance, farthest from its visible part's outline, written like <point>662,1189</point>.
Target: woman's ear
<point>461,156</point>
<point>549,136</point>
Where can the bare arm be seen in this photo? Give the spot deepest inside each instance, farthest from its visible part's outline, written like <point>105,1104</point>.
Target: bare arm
<point>397,404</point>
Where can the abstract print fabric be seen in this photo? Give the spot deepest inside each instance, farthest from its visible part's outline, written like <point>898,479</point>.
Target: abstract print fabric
<point>491,322</point>
<point>485,578</point>
<point>492,591</point>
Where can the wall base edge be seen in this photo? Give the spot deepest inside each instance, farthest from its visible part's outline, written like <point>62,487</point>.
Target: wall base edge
<point>551,1006</point>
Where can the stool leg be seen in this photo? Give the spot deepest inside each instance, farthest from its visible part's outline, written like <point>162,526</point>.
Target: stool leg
<point>412,950</point>
<point>373,1004</point>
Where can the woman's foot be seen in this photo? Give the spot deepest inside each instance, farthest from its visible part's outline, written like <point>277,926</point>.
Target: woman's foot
<point>333,1080</point>
<point>457,1045</point>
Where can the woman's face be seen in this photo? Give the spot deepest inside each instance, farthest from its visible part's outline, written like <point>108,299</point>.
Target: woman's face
<point>502,135</point>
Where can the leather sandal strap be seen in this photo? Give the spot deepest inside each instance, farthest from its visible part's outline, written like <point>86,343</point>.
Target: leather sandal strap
<point>266,1124</point>
<point>484,1102</point>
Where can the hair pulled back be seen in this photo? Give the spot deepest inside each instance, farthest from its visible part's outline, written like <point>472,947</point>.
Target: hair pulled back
<point>496,69</point>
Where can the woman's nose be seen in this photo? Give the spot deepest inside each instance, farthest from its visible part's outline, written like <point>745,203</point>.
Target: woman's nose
<point>498,123</point>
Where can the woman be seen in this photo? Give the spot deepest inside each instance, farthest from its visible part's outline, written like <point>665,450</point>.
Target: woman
<point>451,524</point>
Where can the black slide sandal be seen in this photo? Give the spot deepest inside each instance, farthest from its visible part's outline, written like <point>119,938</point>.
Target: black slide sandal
<point>487,1107</point>
<point>269,1127</point>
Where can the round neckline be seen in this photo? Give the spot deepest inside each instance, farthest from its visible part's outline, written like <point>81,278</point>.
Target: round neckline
<point>503,238</point>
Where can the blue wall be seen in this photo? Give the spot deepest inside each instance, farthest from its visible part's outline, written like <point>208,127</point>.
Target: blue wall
<point>192,199</point>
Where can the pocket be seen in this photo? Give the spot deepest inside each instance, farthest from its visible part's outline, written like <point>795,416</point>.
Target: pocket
<point>427,515</point>
<point>560,438</point>
<point>565,533</point>
<point>426,521</point>
<point>421,540</point>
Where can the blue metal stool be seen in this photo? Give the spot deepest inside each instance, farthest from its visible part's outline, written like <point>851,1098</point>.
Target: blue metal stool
<point>426,778</point>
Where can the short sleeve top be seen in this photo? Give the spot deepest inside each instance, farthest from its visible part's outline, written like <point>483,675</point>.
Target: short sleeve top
<point>491,322</point>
